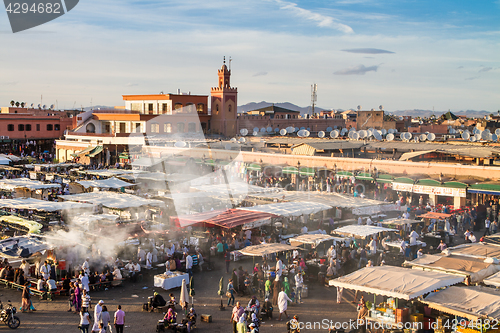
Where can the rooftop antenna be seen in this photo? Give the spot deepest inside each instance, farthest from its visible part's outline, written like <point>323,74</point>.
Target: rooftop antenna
<point>314,97</point>
<point>224,61</point>
<point>230,63</point>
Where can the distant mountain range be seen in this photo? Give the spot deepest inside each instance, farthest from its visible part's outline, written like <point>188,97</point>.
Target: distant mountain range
<point>414,113</point>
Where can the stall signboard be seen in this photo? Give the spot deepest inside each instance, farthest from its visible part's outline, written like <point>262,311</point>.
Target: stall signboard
<point>33,175</point>
<point>402,187</point>
<point>49,177</point>
<point>445,191</point>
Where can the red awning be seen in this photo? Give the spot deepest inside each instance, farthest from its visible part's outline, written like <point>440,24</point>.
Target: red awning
<point>226,219</point>
<point>433,215</point>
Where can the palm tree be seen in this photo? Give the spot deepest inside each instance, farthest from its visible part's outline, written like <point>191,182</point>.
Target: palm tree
<point>12,103</point>
<point>17,104</point>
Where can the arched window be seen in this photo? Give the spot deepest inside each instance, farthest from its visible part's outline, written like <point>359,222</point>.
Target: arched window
<point>190,108</point>
<point>200,107</point>
<point>229,108</point>
<point>167,128</point>
<point>177,106</point>
<point>217,108</point>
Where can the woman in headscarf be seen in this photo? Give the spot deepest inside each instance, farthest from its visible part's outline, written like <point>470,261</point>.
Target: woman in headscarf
<point>255,320</point>
<point>276,289</point>
<point>241,326</point>
<point>170,317</point>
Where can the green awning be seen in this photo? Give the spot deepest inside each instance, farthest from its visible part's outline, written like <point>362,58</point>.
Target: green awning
<point>404,180</point>
<point>364,176</point>
<point>304,171</point>
<point>198,161</point>
<point>85,151</point>
<point>290,170</point>
<point>223,163</point>
<point>384,178</point>
<point>209,162</point>
<point>455,185</point>
<point>124,156</point>
<point>97,150</point>
<point>23,224</point>
<point>493,189</point>
<point>254,167</point>
<point>429,182</point>
<point>344,174</point>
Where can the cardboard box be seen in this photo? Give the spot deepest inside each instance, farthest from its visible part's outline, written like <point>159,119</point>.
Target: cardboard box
<point>206,318</point>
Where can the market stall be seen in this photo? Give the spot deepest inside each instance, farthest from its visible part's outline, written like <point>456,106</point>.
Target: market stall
<point>476,250</point>
<point>476,269</point>
<point>361,231</point>
<point>437,228</point>
<point>493,280</point>
<point>170,280</point>
<point>112,182</point>
<point>396,284</point>
<point>290,209</point>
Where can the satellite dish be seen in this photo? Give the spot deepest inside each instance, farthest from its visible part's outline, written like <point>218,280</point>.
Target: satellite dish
<point>276,130</point>
<point>465,136</point>
<point>308,129</point>
<point>283,131</point>
<point>380,107</point>
<point>269,129</point>
<point>473,139</point>
<point>255,133</point>
<point>390,131</point>
<point>329,129</point>
<point>363,134</point>
<point>321,134</point>
<point>402,136</point>
<point>334,134</point>
<point>39,106</point>
<point>422,137</point>
<point>51,106</point>
<point>242,140</point>
<point>180,144</point>
<point>255,129</point>
<point>300,133</point>
<point>477,136</point>
<point>352,129</point>
<point>487,130</point>
<point>244,131</point>
<point>355,135</point>
<point>408,135</point>
<point>228,146</point>
<point>485,135</point>
<point>233,139</point>
<point>494,137</point>
<point>263,130</point>
<point>497,131</point>
<point>377,136</point>
<point>349,135</point>
<point>44,106</point>
<point>390,137</point>
<point>32,105</point>
<point>307,133</point>
<point>384,131</point>
<point>431,136</point>
<point>359,107</point>
<point>296,129</point>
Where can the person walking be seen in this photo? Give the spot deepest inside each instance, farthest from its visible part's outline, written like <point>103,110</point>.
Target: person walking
<point>227,258</point>
<point>276,289</point>
<point>283,303</point>
<point>97,316</point>
<point>105,319</point>
<point>238,311</point>
<point>119,320</point>
<point>84,321</point>
<point>26,297</point>
<point>299,282</point>
<point>230,289</point>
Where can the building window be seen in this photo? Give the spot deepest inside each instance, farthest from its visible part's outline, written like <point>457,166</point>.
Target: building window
<point>28,127</point>
<point>10,127</point>
<point>180,127</point>
<point>229,108</point>
<point>200,107</point>
<point>57,127</point>
<point>150,107</point>
<point>217,108</point>
<point>192,127</point>
<point>167,128</point>
<point>165,108</point>
<point>20,127</point>
<point>155,128</point>
<point>178,106</point>
<point>123,128</point>
<point>49,127</point>
<point>90,128</point>
<point>138,127</point>
<point>38,127</point>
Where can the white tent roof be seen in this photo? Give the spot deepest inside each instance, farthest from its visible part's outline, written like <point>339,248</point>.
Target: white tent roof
<point>361,230</point>
<point>13,158</point>
<point>11,184</point>
<point>4,160</point>
<point>266,248</point>
<point>107,172</point>
<point>493,280</point>
<point>314,239</point>
<point>476,250</point>
<point>104,183</point>
<point>235,189</point>
<point>396,282</point>
<point>290,208</point>
<point>97,217</point>
<point>35,204</point>
<point>470,302</point>
<point>400,221</point>
<point>113,200</point>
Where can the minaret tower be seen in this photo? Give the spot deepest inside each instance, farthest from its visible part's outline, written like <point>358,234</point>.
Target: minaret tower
<point>224,104</point>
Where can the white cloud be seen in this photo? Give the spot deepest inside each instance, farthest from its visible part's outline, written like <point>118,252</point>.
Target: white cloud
<point>356,70</point>
<point>323,21</point>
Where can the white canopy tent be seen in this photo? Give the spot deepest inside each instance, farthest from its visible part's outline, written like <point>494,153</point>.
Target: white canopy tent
<point>399,222</point>
<point>42,205</point>
<point>315,239</point>
<point>361,230</point>
<point>476,250</point>
<point>235,189</point>
<point>266,248</point>
<point>11,157</point>
<point>290,209</point>
<point>470,302</point>
<point>113,200</point>
<point>11,184</point>
<point>107,172</point>
<point>104,183</point>
<point>398,282</point>
<point>478,269</point>
<point>493,280</point>
<point>4,160</point>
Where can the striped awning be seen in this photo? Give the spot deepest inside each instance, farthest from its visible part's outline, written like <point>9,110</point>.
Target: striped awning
<point>96,151</point>
<point>306,172</point>
<point>364,176</point>
<point>290,170</point>
<point>254,167</point>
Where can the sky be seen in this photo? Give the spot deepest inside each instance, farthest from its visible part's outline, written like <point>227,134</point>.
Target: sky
<point>402,54</point>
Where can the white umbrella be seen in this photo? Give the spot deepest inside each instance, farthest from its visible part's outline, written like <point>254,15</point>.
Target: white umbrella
<point>184,299</point>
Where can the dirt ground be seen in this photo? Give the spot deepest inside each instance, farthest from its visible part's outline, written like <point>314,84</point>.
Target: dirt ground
<point>53,316</point>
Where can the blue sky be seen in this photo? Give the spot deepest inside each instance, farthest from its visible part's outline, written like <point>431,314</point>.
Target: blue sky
<point>398,53</point>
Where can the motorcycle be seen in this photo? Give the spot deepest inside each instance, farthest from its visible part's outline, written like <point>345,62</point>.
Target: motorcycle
<point>7,315</point>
